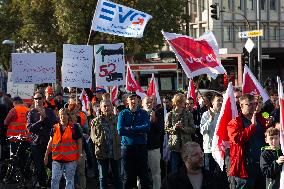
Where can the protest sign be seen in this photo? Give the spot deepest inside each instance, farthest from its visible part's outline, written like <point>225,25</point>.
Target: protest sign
<point>77,66</point>
<point>25,91</point>
<point>110,64</point>
<point>119,20</point>
<point>34,68</point>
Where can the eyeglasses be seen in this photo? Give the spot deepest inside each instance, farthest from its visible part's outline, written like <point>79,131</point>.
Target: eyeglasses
<point>38,98</point>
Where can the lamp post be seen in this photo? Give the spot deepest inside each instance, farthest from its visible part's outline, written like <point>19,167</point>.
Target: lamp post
<point>12,43</point>
<point>9,42</point>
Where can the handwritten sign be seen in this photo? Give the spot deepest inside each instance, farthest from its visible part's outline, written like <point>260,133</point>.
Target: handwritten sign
<point>33,68</point>
<point>25,91</point>
<point>110,64</point>
<point>77,66</point>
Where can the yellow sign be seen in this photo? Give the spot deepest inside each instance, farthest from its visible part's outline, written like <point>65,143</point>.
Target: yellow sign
<point>253,33</point>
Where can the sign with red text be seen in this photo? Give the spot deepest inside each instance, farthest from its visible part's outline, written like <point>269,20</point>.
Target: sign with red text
<point>196,56</point>
<point>33,68</point>
<point>110,64</point>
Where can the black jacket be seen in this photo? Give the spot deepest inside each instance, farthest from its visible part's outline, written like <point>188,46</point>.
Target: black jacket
<point>270,169</point>
<point>180,180</point>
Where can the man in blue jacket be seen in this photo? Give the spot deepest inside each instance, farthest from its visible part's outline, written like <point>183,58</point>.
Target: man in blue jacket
<point>133,125</point>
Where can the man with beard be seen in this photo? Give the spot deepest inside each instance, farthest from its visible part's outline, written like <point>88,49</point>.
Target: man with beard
<point>192,175</point>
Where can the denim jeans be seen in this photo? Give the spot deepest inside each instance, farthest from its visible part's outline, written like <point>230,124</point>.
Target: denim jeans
<point>135,164</point>
<point>176,161</point>
<point>154,157</point>
<point>38,152</point>
<point>67,169</point>
<point>103,166</point>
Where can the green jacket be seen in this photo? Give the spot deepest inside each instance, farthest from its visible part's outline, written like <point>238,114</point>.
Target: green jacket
<point>177,138</point>
<point>99,126</point>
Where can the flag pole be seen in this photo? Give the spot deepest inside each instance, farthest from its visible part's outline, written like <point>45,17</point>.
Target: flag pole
<point>90,33</point>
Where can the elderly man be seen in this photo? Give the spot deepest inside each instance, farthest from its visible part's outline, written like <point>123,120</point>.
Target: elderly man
<point>246,133</point>
<point>133,126</point>
<point>192,175</point>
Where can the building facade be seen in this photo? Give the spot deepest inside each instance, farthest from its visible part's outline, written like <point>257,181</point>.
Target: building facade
<point>237,16</point>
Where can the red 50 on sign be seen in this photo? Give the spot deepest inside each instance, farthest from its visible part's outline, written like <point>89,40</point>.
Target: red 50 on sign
<point>107,69</point>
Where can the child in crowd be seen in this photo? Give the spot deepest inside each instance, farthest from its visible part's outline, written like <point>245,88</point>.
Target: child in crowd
<point>272,159</point>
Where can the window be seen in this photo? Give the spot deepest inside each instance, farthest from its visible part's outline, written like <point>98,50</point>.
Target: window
<point>264,28</point>
<point>282,32</point>
<point>262,4</point>
<point>238,4</point>
<point>194,32</point>
<point>201,31</point>
<point>273,32</point>
<point>250,5</point>
<point>227,33</point>
<point>238,29</point>
<point>202,6</point>
<point>272,4</point>
<point>227,5</point>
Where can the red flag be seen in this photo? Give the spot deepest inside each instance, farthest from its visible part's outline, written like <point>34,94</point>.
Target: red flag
<point>153,89</point>
<point>252,86</point>
<point>281,104</point>
<point>220,141</point>
<point>191,92</point>
<point>85,101</point>
<point>197,56</point>
<point>132,85</point>
<point>114,95</point>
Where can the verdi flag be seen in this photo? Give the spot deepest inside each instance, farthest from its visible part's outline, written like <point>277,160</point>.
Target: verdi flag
<point>153,89</point>
<point>281,104</point>
<point>196,56</point>
<point>220,141</point>
<point>252,86</point>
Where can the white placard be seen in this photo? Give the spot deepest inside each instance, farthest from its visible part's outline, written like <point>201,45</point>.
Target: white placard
<point>25,91</point>
<point>119,20</point>
<point>34,68</point>
<point>110,64</point>
<point>77,66</point>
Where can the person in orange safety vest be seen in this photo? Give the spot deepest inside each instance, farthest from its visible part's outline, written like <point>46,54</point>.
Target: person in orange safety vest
<point>66,146</point>
<point>16,121</point>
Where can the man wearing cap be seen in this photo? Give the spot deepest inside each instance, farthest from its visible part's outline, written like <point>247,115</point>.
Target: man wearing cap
<point>133,126</point>
<point>49,101</point>
<point>16,121</point>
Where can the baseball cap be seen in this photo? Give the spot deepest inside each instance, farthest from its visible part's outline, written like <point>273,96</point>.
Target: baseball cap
<point>131,94</point>
<point>17,98</point>
<point>98,90</point>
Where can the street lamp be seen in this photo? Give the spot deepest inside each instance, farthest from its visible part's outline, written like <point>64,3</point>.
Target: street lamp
<point>9,42</point>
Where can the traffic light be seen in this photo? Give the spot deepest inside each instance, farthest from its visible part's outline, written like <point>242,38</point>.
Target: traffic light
<point>215,11</point>
<point>246,56</point>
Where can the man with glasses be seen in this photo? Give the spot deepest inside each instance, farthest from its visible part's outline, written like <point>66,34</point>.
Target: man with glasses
<point>40,121</point>
<point>246,134</point>
<point>192,175</point>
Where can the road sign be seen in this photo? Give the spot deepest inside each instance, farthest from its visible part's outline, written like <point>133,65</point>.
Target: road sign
<point>249,45</point>
<point>253,33</point>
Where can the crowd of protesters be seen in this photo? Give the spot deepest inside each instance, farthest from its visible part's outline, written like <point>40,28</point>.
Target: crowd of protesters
<point>121,145</point>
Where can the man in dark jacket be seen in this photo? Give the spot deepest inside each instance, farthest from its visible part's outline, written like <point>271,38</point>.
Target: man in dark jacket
<point>192,175</point>
<point>40,121</point>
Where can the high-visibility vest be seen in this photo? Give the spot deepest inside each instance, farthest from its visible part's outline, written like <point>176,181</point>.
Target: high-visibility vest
<point>83,118</point>
<point>18,126</point>
<point>64,148</point>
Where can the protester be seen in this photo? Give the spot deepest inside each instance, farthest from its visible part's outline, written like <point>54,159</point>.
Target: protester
<point>207,129</point>
<point>272,159</point>
<point>192,175</point>
<point>49,100</point>
<point>40,121</point>
<point>153,141</point>
<point>179,126</point>
<point>246,133</point>
<point>66,146</point>
<point>4,151</point>
<point>59,102</point>
<point>107,144</point>
<point>17,122</point>
<point>133,126</point>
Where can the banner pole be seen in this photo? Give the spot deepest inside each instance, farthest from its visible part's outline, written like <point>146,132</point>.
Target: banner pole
<point>90,33</point>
